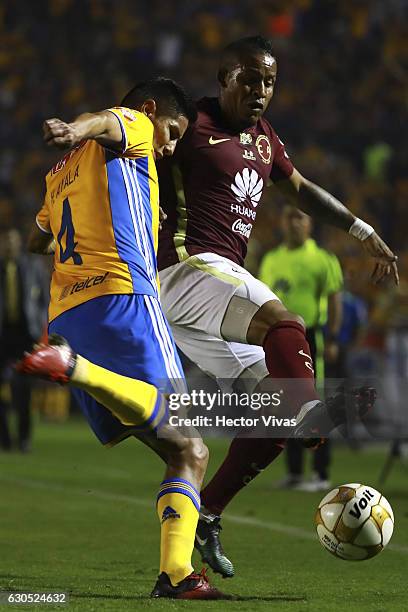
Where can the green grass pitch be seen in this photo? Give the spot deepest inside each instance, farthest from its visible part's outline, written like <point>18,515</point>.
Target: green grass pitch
<point>79,518</point>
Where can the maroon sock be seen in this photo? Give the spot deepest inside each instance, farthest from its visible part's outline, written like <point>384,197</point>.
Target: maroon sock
<point>287,356</point>
<point>246,458</point>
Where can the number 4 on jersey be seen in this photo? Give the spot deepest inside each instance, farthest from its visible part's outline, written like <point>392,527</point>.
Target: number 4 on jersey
<point>68,228</point>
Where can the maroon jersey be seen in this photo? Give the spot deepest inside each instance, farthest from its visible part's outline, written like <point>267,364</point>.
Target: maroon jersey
<point>211,188</point>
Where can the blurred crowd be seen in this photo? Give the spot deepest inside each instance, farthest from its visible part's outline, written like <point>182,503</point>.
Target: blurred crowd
<point>339,105</point>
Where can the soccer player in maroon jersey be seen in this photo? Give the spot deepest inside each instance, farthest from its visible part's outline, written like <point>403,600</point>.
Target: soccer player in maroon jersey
<point>224,319</point>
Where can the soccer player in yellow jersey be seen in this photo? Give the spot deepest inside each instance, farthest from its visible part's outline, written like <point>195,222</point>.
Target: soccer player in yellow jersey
<point>108,337</point>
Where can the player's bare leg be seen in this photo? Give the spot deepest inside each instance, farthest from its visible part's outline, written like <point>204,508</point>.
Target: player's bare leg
<point>142,405</point>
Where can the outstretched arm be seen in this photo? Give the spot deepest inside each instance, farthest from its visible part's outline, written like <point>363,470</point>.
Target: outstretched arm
<point>321,205</point>
<point>104,127</point>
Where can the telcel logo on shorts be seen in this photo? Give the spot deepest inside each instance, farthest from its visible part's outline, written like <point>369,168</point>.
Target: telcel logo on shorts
<point>91,281</point>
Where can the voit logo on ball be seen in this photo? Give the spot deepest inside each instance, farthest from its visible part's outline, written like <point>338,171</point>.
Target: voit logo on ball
<point>354,522</point>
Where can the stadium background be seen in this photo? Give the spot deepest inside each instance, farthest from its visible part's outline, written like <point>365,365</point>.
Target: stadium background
<point>340,106</point>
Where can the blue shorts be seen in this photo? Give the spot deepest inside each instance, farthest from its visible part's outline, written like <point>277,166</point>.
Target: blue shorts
<point>129,335</point>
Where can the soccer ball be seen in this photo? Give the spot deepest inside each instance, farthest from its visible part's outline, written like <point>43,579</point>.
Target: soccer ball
<point>354,522</point>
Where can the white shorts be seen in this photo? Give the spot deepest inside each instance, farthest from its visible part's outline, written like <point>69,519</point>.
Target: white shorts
<point>196,299</point>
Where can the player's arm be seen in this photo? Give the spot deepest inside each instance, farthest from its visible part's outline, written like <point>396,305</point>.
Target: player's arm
<point>104,127</point>
<point>40,242</point>
<point>334,314</point>
<point>320,204</point>
<point>334,320</point>
<point>333,286</point>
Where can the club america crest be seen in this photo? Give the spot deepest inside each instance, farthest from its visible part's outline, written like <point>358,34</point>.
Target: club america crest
<point>264,148</point>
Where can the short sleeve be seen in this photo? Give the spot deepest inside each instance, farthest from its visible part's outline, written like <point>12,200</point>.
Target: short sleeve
<point>282,166</point>
<point>137,132</point>
<point>43,217</point>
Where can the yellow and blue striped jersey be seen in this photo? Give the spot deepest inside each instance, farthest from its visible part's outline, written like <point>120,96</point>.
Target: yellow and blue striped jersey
<point>102,207</point>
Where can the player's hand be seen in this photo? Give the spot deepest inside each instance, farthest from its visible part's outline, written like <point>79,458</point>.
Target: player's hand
<point>386,261</point>
<point>162,217</point>
<point>59,134</point>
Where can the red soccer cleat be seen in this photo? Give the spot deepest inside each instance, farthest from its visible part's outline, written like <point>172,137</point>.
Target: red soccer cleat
<point>194,586</point>
<point>54,361</point>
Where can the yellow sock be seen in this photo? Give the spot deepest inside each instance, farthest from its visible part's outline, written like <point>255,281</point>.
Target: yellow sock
<point>132,401</point>
<point>178,504</point>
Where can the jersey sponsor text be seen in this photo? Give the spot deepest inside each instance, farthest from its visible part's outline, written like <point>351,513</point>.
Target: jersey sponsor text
<point>242,228</point>
<point>244,211</point>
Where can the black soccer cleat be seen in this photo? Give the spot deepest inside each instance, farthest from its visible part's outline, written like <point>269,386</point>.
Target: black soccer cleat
<point>208,544</point>
<point>346,407</point>
<point>194,586</point>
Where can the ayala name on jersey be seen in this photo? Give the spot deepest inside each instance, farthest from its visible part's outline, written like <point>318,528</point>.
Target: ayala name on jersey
<point>213,185</point>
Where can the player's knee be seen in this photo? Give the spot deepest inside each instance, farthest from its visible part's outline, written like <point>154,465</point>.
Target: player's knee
<point>269,314</point>
<point>282,314</point>
<point>291,316</point>
<point>197,453</point>
<point>191,453</point>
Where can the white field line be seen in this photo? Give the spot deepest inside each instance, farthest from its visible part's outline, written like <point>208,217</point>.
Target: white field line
<point>289,530</point>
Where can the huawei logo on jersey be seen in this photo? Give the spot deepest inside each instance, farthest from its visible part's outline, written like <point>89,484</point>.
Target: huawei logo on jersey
<point>248,185</point>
